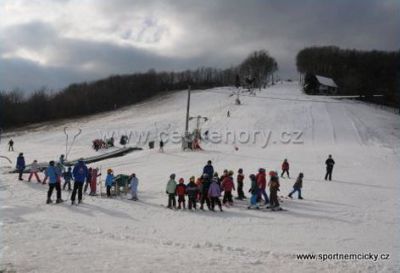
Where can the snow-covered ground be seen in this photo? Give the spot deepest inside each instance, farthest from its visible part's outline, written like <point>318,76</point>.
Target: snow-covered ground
<point>357,212</point>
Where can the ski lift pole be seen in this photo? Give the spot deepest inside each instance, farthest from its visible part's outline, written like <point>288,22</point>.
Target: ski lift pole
<point>66,142</point>
<point>187,113</point>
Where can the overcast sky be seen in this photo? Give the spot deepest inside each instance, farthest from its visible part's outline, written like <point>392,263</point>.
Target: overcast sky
<point>53,43</point>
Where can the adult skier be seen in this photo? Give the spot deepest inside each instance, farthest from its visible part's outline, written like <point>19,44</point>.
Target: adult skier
<point>80,173</point>
<point>52,174</point>
<point>329,167</point>
<point>209,169</point>
<point>20,165</point>
<point>11,145</point>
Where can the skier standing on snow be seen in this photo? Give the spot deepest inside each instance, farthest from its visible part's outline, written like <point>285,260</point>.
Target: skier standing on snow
<point>214,192</point>
<point>254,192</point>
<point>329,167</point>
<point>209,169</point>
<point>80,173</point>
<point>171,191</point>
<point>93,181</point>
<point>227,186</point>
<point>181,191</point>
<point>192,191</point>
<point>205,186</point>
<point>297,186</point>
<point>67,175</point>
<point>11,145</point>
<point>239,179</point>
<point>273,191</point>
<point>20,165</point>
<point>109,181</point>
<point>34,171</point>
<point>134,181</point>
<point>262,185</point>
<point>88,180</point>
<point>285,168</point>
<point>52,174</point>
<point>161,146</point>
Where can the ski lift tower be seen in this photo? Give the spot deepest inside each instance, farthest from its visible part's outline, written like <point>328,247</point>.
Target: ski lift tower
<point>186,141</point>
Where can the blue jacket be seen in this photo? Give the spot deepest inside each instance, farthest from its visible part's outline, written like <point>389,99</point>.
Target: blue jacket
<point>209,169</point>
<point>80,172</point>
<point>20,163</point>
<point>67,176</point>
<point>52,174</point>
<point>109,179</point>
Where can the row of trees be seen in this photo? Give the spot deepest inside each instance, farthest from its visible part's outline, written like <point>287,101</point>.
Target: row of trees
<point>355,72</point>
<point>121,90</point>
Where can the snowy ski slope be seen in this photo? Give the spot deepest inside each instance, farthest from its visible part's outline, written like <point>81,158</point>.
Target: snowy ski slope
<point>357,212</point>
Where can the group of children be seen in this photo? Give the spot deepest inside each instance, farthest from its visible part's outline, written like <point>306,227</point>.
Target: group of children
<point>133,184</point>
<point>208,189</point>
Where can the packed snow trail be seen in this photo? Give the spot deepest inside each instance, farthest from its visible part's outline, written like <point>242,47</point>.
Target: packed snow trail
<point>357,212</point>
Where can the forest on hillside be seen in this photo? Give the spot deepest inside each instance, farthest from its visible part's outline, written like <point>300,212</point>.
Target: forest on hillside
<point>356,72</point>
<point>116,91</point>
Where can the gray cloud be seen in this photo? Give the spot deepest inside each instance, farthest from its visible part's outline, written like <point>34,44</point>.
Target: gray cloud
<point>220,33</point>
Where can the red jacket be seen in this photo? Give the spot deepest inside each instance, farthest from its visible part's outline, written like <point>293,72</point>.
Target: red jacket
<point>240,178</point>
<point>181,189</point>
<point>261,181</point>
<point>285,166</point>
<point>227,184</point>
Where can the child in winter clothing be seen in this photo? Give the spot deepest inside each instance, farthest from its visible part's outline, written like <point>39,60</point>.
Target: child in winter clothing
<point>171,191</point>
<point>297,186</point>
<point>181,191</point>
<point>262,185</point>
<point>67,178</point>
<point>239,179</point>
<point>134,181</point>
<point>227,186</point>
<point>254,192</point>
<point>34,171</point>
<point>20,165</point>
<point>88,180</point>
<point>273,192</point>
<point>109,181</point>
<point>285,168</point>
<point>93,181</point>
<point>192,190</point>
<point>53,183</point>
<point>214,192</point>
<point>205,185</point>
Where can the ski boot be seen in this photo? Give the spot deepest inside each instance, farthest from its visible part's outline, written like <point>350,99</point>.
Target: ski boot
<point>72,203</point>
<point>58,201</point>
<point>49,201</point>
<point>301,198</point>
